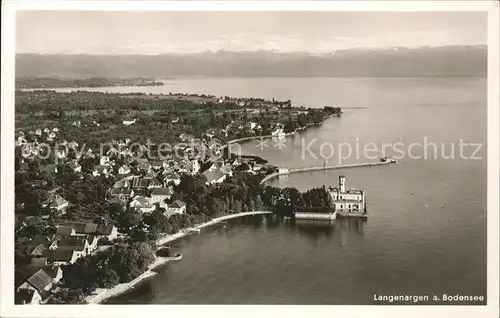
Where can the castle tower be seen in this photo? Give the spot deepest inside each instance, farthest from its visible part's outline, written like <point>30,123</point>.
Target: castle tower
<point>342,184</point>
<point>363,202</point>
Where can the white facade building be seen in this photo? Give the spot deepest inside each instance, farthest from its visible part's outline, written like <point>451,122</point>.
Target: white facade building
<point>348,200</point>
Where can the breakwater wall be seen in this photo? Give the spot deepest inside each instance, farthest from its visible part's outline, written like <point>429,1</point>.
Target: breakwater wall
<point>244,139</point>
<point>318,168</point>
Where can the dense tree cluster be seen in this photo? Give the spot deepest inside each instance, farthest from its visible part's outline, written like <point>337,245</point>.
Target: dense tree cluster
<point>119,264</point>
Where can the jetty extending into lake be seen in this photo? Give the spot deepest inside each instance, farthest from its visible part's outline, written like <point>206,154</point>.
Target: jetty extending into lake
<point>287,171</point>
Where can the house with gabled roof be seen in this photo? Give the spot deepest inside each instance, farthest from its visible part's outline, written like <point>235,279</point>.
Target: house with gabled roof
<point>81,228</point>
<point>37,250</point>
<point>177,207</point>
<point>227,169</point>
<point>142,204</point>
<point>161,194</point>
<point>92,231</point>
<point>100,171</point>
<point>172,177</point>
<point>139,183</point>
<point>93,240</point>
<point>154,184</point>
<point>57,203</point>
<point>214,176</point>
<point>55,272</point>
<point>41,242</point>
<point>157,164</point>
<point>123,194</point>
<point>61,257</point>
<point>27,297</point>
<point>150,174</point>
<point>75,166</point>
<point>124,169</point>
<point>39,281</point>
<point>79,244</point>
<point>104,161</point>
<point>107,230</point>
<point>63,230</point>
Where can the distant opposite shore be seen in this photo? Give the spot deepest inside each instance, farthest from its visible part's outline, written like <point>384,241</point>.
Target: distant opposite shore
<point>444,61</point>
<point>54,82</point>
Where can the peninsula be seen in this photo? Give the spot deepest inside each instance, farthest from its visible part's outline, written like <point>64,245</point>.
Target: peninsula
<point>96,191</point>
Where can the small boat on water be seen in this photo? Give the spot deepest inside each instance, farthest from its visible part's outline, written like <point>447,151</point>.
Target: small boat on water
<point>388,159</point>
<point>193,231</point>
<point>176,257</point>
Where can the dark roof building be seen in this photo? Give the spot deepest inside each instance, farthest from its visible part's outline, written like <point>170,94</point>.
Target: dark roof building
<point>64,230</point>
<point>73,243</point>
<point>24,296</point>
<point>138,183</point>
<point>177,204</point>
<point>83,227</point>
<point>105,229</point>
<point>59,255</point>
<point>162,192</point>
<point>40,280</point>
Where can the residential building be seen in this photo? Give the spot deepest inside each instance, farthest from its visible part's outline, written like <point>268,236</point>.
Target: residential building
<point>107,230</point>
<point>100,171</point>
<point>177,207</point>
<point>93,241</point>
<point>48,242</point>
<point>124,169</point>
<point>161,194</point>
<point>123,194</point>
<point>55,272</point>
<point>172,177</point>
<point>39,281</point>
<point>104,161</point>
<point>37,250</point>
<point>140,183</point>
<point>214,176</point>
<point>27,297</point>
<point>156,164</point>
<point>75,166</point>
<point>142,204</point>
<point>227,169</point>
<point>61,257</point>
<point>57,203</point>
<point>79,244</point>
<point>129,121</point>
<point>77,229</point>
<point>91,231</point>
<point>154,184</point>
<point>64,230</point>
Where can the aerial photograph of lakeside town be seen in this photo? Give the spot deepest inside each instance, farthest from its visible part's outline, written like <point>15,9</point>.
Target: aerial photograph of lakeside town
<point>282,158</point>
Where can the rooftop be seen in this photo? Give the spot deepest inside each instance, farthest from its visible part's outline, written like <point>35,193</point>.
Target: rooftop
<point>177,204</point>
<point>40,280</point>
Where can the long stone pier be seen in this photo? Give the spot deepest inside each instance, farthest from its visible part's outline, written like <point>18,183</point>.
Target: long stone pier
<point>285,171</point>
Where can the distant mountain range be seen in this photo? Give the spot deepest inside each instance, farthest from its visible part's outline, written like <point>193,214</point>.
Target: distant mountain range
<point>446,61</point>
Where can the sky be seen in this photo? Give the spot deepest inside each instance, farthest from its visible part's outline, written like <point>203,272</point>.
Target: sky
<point>94,32</point>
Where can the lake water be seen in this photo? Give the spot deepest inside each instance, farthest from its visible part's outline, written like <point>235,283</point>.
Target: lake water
<point>426,232</point>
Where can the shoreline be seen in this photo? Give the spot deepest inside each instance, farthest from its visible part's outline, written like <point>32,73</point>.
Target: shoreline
<point>104,294</point>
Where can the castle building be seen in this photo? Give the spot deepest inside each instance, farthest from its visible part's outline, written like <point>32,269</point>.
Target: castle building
<point>347,201</point>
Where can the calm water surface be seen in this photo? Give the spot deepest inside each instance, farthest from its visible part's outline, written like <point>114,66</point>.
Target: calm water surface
<point>426,232</point>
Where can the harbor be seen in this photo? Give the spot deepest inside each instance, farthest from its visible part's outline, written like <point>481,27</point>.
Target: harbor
<point>287,171</point>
